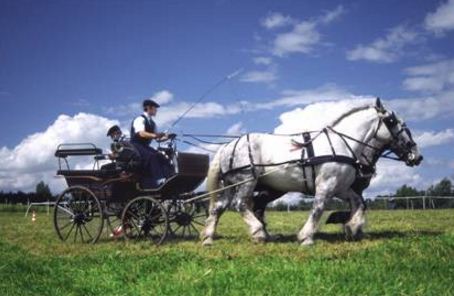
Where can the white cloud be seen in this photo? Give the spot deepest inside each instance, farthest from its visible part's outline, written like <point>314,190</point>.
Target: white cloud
<point>393,174</point>
<point>301,39</point>
<point>386,49</point>
<point>266,76</point>
<point>315,116</point>
<point>433,138</point>
<point>332,15</point>
<point>262,61</point>
<point>172,109</point>
<point>290,98</point>
<point>276,20</point>
<point>304,35</point>
<point>442,19</point>
<point>162,97</point>
<point>32,160</point>
<point>423,108</point>
<point>433,77</point>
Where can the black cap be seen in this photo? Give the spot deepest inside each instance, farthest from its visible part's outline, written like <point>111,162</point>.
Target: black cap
<point>113,129</point>
<point>150,103</point>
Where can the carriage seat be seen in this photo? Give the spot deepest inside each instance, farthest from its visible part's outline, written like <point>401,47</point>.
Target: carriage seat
<point>77,152</point>
<point>89,173</point>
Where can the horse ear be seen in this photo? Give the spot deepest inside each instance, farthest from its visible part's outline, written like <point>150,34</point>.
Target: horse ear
<point>379,106</point>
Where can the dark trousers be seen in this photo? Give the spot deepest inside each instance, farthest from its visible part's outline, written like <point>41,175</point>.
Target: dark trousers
<point>150,170</point>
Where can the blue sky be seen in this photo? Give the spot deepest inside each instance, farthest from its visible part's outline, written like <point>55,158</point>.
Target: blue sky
<point>104,57</point>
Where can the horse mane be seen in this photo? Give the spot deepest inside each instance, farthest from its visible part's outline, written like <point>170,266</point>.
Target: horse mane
<point>350,112</point>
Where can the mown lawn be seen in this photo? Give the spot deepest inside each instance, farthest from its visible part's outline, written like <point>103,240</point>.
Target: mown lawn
<point>404,253</point>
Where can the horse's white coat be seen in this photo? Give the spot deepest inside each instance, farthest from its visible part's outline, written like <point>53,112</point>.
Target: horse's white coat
<point>332,179</point>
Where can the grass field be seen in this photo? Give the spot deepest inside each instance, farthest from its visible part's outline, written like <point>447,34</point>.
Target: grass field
<point>404,253</point>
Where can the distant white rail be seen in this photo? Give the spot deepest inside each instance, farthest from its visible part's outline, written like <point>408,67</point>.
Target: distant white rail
<point>40,204</point>
<point>427,200</point>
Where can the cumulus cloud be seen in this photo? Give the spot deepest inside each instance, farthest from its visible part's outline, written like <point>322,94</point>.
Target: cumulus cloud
<point>276,20</point>
<point>433,77</point>
<point>331,15</point>
<point>433,138</point>
<point>268,75</point>
<point>327,92</point>
<point>386,49</point>
<point>442,19</point>
<point>424,108</point>
<point>303,35</point>
<point>32,160</point>
<point>173,109</point>
<point>316,116</point>
<point>393,174</point>
<point>162,97</point>
<point>262,61</point>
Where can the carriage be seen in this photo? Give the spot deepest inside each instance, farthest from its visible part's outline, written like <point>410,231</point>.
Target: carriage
<point>108,197</point>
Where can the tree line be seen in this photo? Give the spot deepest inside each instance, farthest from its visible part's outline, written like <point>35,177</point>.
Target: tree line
<point>42,193</point>
<point>442,188</point>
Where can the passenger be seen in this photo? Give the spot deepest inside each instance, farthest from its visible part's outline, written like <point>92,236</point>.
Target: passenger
<point>125,155</point>
<point>115,134</point>
<point>143,131</point>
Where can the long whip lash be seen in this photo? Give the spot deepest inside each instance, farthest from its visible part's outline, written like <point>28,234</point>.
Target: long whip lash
<point>219,83</point>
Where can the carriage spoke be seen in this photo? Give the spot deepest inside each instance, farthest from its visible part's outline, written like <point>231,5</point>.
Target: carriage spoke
<point>88,232</point>
<point>196,231</point>
<point>69,232</point>
<point>81,234</point>
<point>83,210</point>
<point>75,234</point>
<point>198,223</point>
<point>66,225</point>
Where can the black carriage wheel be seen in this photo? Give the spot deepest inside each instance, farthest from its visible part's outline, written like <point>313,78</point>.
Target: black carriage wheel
<point>145,217</point>
<point>187,220</point>
<point>78,215</point>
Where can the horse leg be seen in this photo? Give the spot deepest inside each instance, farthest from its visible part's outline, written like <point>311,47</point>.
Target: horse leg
<point>216,209</point>
<point>306,234</point>
<point>245,205</point>
<point>353,228</point>
<point>261,200</point>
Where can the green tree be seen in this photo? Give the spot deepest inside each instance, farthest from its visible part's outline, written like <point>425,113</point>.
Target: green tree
<point>43,191</point>
<point>442,188</point>
<point>407,191</point>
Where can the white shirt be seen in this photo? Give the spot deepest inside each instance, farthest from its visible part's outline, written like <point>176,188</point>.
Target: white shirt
<point>139,123</point>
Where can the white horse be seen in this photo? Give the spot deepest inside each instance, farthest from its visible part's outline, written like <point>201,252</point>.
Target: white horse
<point>336,161</point>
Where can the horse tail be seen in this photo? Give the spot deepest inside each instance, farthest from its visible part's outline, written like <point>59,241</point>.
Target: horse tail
<point>213,177</point>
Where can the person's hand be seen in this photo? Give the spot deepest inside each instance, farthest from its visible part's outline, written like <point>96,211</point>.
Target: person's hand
<point>159,136</point>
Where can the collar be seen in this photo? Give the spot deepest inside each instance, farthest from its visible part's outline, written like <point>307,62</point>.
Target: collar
<point>147,116</point>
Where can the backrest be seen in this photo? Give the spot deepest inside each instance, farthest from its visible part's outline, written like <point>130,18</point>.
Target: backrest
<point>192,164</point>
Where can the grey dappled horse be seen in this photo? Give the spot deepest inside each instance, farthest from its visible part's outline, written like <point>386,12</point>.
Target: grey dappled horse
<point>336,161</point>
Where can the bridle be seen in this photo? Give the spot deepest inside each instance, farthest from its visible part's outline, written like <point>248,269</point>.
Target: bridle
<point>390,122</point>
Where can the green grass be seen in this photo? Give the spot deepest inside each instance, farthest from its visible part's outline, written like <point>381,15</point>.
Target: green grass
<point>404,253</point>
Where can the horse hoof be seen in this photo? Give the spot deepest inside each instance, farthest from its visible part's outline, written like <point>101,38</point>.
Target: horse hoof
<point>259,240</point>
<point>207,242</point>
<point>307,242</point>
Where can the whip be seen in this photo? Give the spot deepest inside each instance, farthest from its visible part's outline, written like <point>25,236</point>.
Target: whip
<point>203,96</point>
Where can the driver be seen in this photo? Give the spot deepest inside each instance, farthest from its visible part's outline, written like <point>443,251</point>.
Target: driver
<point>143,132</point>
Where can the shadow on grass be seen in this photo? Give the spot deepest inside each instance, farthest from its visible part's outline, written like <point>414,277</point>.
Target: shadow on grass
<point>340,237</point>
<point>288,238</point>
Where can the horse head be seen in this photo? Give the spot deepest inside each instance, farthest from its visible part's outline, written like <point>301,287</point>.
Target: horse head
<point>398,138</point>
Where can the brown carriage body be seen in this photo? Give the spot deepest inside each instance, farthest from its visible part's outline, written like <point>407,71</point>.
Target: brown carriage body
<point>110,192</point>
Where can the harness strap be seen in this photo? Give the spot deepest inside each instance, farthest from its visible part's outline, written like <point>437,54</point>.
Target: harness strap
<point>308,143</point>
<point>251,159</point>
<point>329,141</point>
<point>232,156</point>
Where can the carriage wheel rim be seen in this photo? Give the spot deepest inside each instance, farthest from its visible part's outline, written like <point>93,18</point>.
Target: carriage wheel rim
<point>134,227</point>
<point>80,216</point>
